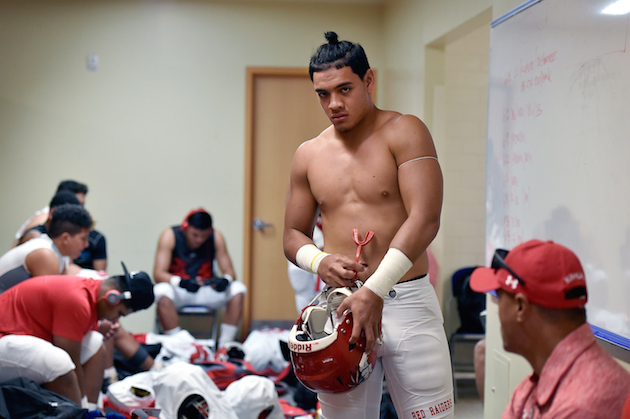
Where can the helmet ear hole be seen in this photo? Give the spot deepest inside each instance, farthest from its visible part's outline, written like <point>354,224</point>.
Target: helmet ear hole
<point>195,407</point>
<point>314,319</point>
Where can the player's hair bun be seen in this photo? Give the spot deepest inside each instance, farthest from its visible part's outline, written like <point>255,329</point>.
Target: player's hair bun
<point>332,38</point>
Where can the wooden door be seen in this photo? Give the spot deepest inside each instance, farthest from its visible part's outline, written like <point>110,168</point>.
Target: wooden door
<point>282,112</point>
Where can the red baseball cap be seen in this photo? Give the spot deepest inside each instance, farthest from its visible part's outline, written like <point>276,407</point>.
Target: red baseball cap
<point>548,274</point>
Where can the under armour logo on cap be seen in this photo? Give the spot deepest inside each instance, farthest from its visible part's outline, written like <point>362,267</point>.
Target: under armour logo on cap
<point>511,282</point>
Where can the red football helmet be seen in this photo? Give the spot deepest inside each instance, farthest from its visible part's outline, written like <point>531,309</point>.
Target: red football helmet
<point>320,353</point>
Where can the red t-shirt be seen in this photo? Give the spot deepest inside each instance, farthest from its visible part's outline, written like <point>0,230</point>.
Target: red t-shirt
<point>579,380</point>
<point>61,305</point>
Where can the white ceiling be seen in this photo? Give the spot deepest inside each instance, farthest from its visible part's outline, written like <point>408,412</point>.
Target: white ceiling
<point>371,2</point>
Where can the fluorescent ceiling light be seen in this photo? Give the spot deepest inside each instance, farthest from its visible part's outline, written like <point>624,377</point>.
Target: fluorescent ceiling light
<point>620,7</point>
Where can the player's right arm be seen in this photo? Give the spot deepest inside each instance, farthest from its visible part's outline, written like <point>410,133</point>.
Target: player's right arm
<point>163,255</point>
<point>301,207</point>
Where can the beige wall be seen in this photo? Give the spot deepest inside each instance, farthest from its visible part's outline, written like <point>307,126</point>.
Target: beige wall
<point>461,115</point>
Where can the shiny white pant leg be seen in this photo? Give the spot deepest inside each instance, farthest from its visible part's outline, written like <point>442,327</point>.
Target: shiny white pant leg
<point>415,354</point>
<point>32,357</point>
<point>362,402</point>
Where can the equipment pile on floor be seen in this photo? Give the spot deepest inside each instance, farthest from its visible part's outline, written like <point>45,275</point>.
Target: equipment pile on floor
<point>190,380</point>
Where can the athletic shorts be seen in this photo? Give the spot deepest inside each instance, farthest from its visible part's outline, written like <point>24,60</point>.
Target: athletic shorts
<point>205,296</point>
<point>40,360</point>
<point>414,358</point>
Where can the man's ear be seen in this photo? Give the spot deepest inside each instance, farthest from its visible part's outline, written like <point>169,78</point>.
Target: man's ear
<point>370,80</point>
<point>64,237</point>
<point>523,307</point>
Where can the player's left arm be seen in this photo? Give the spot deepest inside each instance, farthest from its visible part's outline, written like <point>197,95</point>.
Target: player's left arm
<point>100,264</point>
<point>421,186</point>
<point>222,256</point>
<point>73,348</point>
<point>42,262</point>
<point>100,254</point>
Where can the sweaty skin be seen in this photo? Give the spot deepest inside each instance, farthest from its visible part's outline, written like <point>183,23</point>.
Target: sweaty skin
<point>350,174</point>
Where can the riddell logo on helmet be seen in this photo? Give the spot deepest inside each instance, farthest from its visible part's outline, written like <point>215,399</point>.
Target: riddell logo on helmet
<point>300,347</point>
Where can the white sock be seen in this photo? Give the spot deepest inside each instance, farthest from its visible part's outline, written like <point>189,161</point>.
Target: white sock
<point>172,331</point>
<point>228,333</point>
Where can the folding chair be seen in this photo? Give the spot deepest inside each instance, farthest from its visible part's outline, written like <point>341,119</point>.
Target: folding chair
<point>201,321</point>
<point>462,343</point>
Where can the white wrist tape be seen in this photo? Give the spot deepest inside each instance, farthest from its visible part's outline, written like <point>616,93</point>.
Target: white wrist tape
<point>175,280</point>
<point>228,277</point>
<point>394,265</point>
<point>308,257</point>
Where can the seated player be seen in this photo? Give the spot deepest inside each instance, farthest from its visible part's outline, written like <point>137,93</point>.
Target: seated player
<point>47,329</point>
<point>48,254</point>
<point>79,189</point>
<point>184,274</point>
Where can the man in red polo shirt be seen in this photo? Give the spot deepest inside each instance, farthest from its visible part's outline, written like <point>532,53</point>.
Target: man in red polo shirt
<point>47,329</point>
<point>542,292</point>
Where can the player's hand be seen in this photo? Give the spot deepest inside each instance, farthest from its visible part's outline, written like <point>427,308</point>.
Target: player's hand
<point>367,312</point>
<point>108,329</point>
<point>219,284</point>
<point>191,285</point>
<point>339,270</point>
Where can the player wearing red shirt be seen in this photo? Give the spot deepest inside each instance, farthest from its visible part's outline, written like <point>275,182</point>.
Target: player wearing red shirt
<point>47,324</point>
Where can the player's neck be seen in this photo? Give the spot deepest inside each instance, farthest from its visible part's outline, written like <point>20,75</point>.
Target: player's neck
<point>363,129</point>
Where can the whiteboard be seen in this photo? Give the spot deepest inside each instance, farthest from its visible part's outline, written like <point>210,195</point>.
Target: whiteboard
<point>558,150</point>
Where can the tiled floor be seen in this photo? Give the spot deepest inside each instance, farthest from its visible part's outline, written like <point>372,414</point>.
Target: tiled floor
<point>468,405</point>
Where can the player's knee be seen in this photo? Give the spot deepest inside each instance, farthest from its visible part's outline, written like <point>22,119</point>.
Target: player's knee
<point>480,350</point>
<point>91,344</point>
<point>237,288</point>
<point>59,364</point>
<point>163,289</point>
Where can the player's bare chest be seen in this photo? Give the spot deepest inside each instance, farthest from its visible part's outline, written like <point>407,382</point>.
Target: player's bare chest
<point>341,178</point>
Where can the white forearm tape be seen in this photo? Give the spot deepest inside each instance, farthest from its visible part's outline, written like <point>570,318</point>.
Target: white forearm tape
<point>308,257</point>
<point>175,280</point>
<point>394,265</point>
